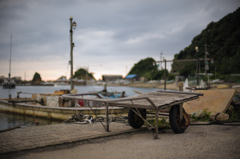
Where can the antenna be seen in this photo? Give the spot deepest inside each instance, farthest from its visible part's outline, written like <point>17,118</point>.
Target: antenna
<point>9,75</point>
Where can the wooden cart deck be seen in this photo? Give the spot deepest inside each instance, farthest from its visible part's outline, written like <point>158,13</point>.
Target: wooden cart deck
<point>152,101</point>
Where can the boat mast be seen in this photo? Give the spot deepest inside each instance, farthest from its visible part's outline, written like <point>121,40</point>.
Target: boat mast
<point>9,75</point>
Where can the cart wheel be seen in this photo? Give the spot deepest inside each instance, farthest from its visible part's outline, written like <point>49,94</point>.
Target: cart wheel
<point>174,119</point>
<point>134,120</point>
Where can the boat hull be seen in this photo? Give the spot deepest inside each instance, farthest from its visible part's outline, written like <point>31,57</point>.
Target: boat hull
<point>55,113</point>
<point>8,86</point>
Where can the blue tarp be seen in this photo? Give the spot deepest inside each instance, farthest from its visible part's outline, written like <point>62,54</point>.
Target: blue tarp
<point>131,76</point>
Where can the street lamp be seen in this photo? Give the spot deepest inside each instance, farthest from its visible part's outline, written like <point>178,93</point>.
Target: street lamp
<point>73,25</point>
<point>196,48</point>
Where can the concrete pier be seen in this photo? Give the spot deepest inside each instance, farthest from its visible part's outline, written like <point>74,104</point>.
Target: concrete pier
<point>48,135</point>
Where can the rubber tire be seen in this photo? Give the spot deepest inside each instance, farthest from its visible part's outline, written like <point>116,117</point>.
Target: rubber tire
<point>174,111</point>
<point>134,120</point>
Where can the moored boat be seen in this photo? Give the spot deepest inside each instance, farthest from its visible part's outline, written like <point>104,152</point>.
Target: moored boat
<point>8,83</point>
<point>115,94</point>
<point>53,106</point>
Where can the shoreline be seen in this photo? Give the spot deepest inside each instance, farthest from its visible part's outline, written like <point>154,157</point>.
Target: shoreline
<point>171,86</point>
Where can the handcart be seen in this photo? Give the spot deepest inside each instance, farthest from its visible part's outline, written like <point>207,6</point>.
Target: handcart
<point>148,103</point>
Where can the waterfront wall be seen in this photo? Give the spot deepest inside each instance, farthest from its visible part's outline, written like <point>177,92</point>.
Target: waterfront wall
<point>54,112</point>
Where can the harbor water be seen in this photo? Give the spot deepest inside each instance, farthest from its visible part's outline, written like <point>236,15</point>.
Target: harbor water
<point>4,93</point>
<point>12,120</point>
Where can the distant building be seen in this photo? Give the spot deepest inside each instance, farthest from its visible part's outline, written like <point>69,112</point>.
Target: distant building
<point>179,78</point>
<point>18,80</point>
<point>143,79</point>
<point>108,78</point>
<point>62,80</point>
<point>77,81</point>
<point>2,79</point>
<point>132,77</point>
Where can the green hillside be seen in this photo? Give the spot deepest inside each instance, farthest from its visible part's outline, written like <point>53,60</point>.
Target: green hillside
<point>81,74</point>
<point>147,68</point>
<point>36,78</point>
<point>223,44</point>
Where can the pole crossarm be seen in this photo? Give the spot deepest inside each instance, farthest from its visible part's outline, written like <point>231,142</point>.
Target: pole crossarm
<point>186,60</point>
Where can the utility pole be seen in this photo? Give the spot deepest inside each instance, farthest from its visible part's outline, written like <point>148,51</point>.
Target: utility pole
<point>165,79</point>
<point>215,71</point>
<point>161,60</point>
<point>186,60</point>
<point>206,65</point>
<point>72,26</point>
<point>196,48</point>
<point>230,62</point>
<point>86,74</point>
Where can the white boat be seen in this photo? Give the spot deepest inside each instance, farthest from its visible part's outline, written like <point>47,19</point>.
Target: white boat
<point>8,83</point>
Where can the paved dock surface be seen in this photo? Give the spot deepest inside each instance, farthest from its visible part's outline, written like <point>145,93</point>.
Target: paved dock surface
<point>198,141</point>
<point>42,136</point>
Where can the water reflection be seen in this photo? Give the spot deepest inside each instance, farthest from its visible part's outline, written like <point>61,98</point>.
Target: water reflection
<point>11,120</point>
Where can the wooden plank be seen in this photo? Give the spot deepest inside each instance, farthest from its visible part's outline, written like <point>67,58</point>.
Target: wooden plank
<point>213,100</point>
<point>158,98</point>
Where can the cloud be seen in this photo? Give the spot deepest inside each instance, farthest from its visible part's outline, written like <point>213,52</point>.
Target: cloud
<point>110,35</point>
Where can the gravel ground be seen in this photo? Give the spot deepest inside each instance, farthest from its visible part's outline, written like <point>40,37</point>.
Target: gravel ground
<point>202,141</point>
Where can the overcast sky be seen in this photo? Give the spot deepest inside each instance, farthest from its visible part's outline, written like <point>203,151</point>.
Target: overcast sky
<point>111,35</point>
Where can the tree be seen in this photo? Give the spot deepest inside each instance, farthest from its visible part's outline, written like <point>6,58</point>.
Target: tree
<point>62,77</point>
<point>81,74</point>
<point>149,69</point>
<point>144,68</point>
<point>223,40</point>
<point>159,74</point>
<point>36,78</point>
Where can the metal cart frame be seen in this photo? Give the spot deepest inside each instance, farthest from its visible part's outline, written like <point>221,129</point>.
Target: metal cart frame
<point>155,101</point>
